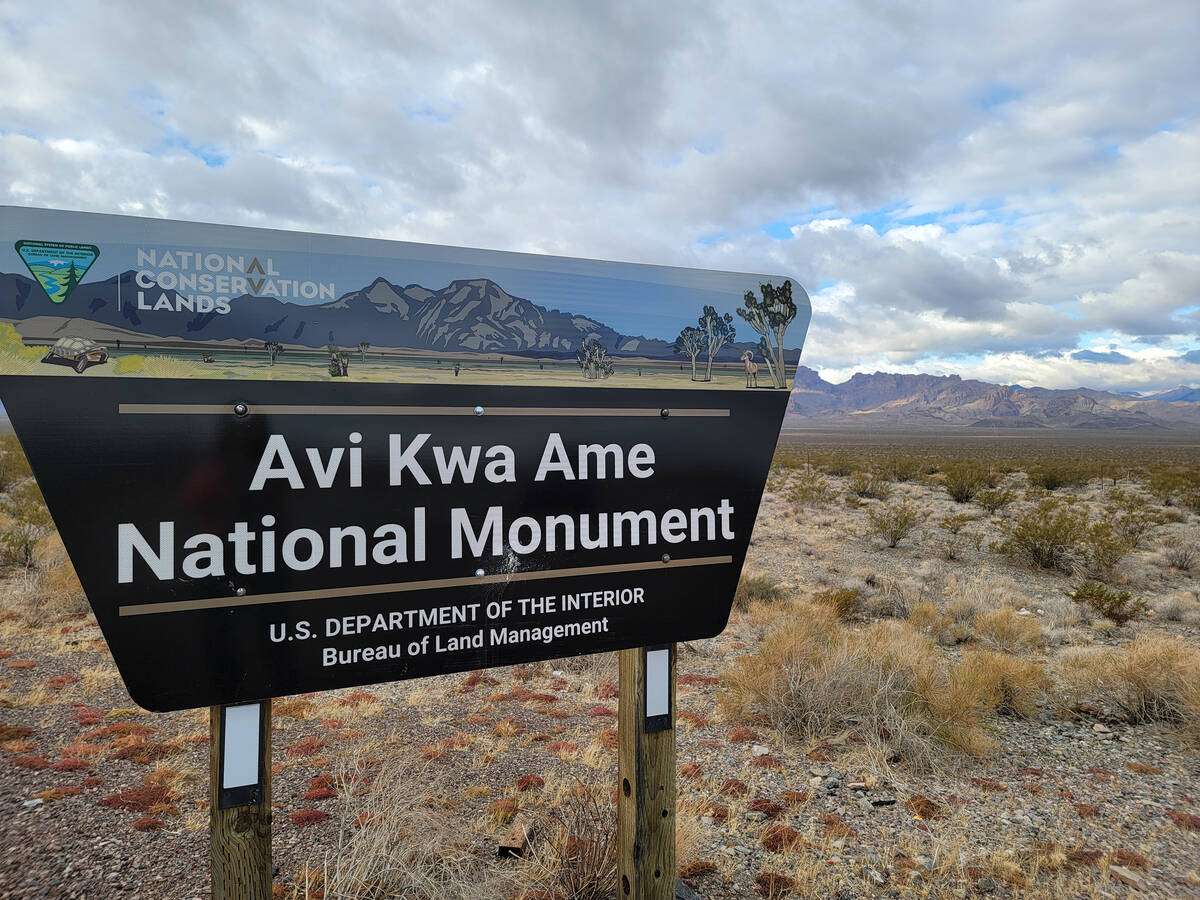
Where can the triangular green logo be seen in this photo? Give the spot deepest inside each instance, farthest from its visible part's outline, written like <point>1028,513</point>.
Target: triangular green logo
<point>58,267</point>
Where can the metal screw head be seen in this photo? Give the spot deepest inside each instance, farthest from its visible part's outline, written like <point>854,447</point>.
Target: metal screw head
<point>240,409</point>
<point>665,413</point>
<point>479,573</point>
<point>666,557</point>
<point>241,592</point>
<point>479,410</point>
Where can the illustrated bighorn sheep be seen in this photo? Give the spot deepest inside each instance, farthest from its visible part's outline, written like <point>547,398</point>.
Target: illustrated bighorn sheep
<point>751,368</point>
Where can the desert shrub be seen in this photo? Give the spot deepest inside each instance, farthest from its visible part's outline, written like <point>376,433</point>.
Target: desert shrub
<point>753,587</point>
<point>1006,629</point>
<point>1174,607</point>
<point>397,839</point>
<point>1011,685</point>
<point>577,857</point>
<point>1046,536</point>
<point>1104,548</point>
<point>1130,516</point>
<point>1056,475</point>
<point>995,499</point>
<point>29,522</point>
<point>871,485</point>
<point>838,464</point>
<point>1119,606</point>
<point>901,468</point>
<point>809,488</point>
<point>955,523</point>
<point>1180,555</point>
<point>1154,678</point>
<point>1175,486</point>
<point>894,522</point>
<point>809,677</point>
<point>132,364</point>
<point>965,480</point>
<point>844,602</point>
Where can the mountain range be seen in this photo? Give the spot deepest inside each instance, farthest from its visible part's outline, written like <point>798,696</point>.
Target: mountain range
<point>467,315</point>
<point>881,399</point>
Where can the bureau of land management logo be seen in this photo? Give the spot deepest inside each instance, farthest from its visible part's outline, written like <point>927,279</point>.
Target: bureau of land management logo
<point>58,267</point>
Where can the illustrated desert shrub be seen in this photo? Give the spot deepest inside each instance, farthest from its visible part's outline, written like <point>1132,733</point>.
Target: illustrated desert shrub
<point>165,367</point>
<point>397,838</point>
<point>894,522</point>
<point>810,676</point>
<point>755,587</point>
<point>995,499</point>
<point>964,480</point>
<point>1012,686</point>
<point>871,485</point>
<point>1119,606</point>
<point>844,602</point>
<point>133,364</point>
<point>1006,629</point>
<point>1046,536</point>
<point>1154,678</point>
<point>809,488</point>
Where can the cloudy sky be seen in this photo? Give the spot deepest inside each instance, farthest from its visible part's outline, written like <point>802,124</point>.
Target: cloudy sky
<point>1005,191</point>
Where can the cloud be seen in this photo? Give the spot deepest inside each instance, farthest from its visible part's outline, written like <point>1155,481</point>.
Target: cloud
<point>1119,359</point>
<point>967,222</point>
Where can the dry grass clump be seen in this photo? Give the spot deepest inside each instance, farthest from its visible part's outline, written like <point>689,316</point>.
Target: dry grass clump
<point>397,839</point>
<point>1007,630</point>
<point>577,857</point>
<point>845,602</point>
<point>1154,678</point>
<point>1012,686</point>
<point>810,677</point>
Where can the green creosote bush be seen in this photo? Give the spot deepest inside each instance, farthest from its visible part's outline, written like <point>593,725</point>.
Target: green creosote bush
<point>965,480</point>
<point>762,588</point>
<point>809,488</point>
<point>995,499</point>
<point>1053,476</point>
<point>30,522</point>
<point>869,484</point>
<point>1104,548</point>
<point>901,468</point>
<point>1046,536</point>
<point>894,522</point>
<point>1119,606</point>
<point>13,464</point>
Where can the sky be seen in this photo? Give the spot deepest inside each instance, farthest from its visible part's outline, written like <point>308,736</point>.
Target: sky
<point>1008,192</point>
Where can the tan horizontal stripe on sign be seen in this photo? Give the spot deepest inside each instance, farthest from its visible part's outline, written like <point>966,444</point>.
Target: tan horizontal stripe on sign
<point>146,609</point>
<point>213,409</point>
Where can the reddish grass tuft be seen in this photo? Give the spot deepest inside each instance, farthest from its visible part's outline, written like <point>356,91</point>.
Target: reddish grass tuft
<point>732,787</point>
<point>58,682</point>
<point>691,770</point>
<point>561,747</point>
<point>924,808</point>
<point>148,823</point>
<point>49,796</point>
<point>36,763</point>
<point>319,794</point>
<point>694,680</point>
<point>718,812</point>
<point>778,838</point>
<point>697,868</point>
<point>1185,820</point>
<point>609,739</point>
<point>598,711</point>
<point>118,729</point>
<point>530,782</point>
<point>71,764</point>
<point>606,690</point>
<point>1081,858</point>
<point>302,818</point>
<point>92,781</point>
<point>989,784</point>
<point>17,746</point>
<point>693,718</point>
<point>357,698</point>
<point>432,752</point>
<point>14,732</point>
<point>139,799</point>
<point>1087,810</point>
<point>767,762</point>
<point>309,746</point>
<point>1131,859</point>
<point>1142,768</point>
<point>22,664</point>
<point>740,734</point>
<point>794,798</point>
<point>834,826</point>
<point>767,807</point>
<point>773,885</point>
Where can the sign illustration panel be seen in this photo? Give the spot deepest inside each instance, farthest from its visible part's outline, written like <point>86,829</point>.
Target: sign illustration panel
<point>285,462</point>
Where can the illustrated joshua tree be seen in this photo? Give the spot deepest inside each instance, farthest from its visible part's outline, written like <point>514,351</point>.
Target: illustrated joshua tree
<point>363,347</point>
<point>718,330</point>
<point>690,343</point>
<point>594,360</point>
<point>273,349</point>
<point>770,317</point>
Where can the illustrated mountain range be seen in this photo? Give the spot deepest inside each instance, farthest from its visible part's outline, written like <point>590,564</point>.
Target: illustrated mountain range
<point>931,400</point>
<point>475,315</point>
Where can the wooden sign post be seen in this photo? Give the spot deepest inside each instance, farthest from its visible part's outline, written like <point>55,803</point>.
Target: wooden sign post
<point>240,801</point>
<point>646,774</point>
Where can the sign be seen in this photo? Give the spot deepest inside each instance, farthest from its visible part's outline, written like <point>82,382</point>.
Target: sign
<point>461,477</point>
